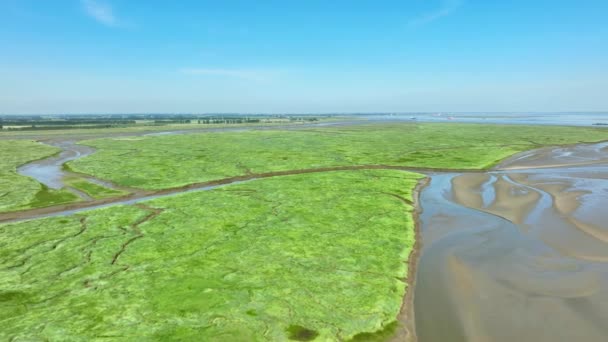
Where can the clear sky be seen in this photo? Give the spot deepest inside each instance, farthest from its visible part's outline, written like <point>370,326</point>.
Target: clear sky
<point>136,56</point>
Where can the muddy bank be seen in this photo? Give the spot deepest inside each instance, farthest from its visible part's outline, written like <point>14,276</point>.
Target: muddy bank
<point>518,253</point>
<point>406,330</point>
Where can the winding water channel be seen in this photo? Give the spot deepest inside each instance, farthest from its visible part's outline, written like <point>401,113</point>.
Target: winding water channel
<point>520,252</point>
<point>49,171</point>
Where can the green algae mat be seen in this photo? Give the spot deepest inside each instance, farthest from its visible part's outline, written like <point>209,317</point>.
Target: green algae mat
<point>317,256</point>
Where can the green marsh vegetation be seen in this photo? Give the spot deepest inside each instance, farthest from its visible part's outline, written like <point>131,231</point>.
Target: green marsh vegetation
<point>96,191</point>
<point>318,255</point>
<point>169,161</point>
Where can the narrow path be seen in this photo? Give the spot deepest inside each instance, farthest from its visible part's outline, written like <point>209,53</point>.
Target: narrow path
<point>406,329</point>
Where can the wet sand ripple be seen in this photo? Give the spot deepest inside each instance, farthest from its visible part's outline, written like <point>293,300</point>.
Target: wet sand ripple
<point>520,252</point>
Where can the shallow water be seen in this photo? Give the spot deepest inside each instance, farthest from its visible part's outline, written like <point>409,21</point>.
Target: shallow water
<point>49,171</point>
<point>520,253</point>
<point>566,119</point>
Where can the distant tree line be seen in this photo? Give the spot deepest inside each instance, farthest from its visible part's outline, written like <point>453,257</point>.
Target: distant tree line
<point>217,120</point>
<point>40,128</point>
<point>65,122</point>
<point>302,119</point>
<point>172,121</point>
<point>73,121</point>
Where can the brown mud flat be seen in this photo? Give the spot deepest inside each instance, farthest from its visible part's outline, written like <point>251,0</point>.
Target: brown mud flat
<point>583,154</point>
<point>518,253</point>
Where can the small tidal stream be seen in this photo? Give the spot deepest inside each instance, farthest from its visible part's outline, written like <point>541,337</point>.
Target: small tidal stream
<point>49,171</point>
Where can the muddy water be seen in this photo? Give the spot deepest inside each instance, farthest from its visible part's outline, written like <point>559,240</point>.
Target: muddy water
<point>49,171</point>
<point>520,253</point>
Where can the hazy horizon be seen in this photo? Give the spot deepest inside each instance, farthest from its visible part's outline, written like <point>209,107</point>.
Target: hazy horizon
<point>481,113</point>
<point>458,56</point>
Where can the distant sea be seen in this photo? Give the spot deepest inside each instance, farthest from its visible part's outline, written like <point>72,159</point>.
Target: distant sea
<point>567,119</point>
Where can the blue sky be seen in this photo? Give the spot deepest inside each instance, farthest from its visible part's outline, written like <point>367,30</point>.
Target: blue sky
<point>113,56</point>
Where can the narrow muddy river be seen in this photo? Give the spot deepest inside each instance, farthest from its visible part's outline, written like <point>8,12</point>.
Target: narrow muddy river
<point>520,253</point>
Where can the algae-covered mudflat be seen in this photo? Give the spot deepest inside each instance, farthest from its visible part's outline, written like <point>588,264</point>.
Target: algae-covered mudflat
<point>308,236</point>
